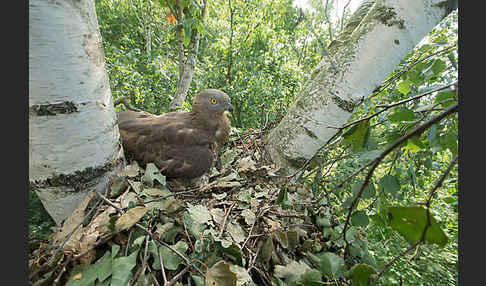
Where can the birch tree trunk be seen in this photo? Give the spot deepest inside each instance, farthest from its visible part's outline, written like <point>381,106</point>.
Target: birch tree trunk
<point>74,142</point>
<point>186,64</point>
<point>377,37</point>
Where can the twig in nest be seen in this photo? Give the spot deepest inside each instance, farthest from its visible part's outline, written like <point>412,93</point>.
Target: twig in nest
<point>287,215</point>
<point>260,214</point>
<point>224,220</point>
<point>162,269</point>
<point>188,237</point>
<point>152,236</point>
<point>187,261</point>
<point>63,269</point>
<point>252,261</point>
<point>177,277</point>
<point>128,242</point>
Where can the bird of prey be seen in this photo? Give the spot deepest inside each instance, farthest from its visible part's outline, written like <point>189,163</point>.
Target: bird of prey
<point>181,144</point>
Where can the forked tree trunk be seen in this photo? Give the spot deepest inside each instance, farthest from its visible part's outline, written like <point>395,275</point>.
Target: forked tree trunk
<point>185,79</point>
<point>187,64</point>
<point>377,37</point>
<point>74,144</point>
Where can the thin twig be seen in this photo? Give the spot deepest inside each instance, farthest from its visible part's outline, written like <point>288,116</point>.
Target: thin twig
<point>63,269</point>
<point>437,185</point>
<point>415,131</point>
<point>128,242</point>
<point>439,182</point>
<point>225,218</point>
<point>260,214</point>
<point>388,106</point>
<point>162,269</point>
<point>152,236</point>
<point>170,248</point>
<point>177,277</point>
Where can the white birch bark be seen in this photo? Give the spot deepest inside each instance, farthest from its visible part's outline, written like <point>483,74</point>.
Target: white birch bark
<point>187,64</point>
<point>379,35</point>
<point>187,73</point>
<point>74,143</point>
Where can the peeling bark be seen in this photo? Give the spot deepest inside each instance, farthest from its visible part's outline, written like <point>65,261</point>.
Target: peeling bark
<point>377,37</point>
<point>74,143</point>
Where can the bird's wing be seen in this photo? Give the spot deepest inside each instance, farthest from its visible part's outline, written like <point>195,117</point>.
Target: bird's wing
<point>170,141</point>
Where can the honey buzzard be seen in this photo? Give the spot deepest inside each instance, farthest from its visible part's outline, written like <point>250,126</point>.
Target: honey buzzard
<point>181,144</point>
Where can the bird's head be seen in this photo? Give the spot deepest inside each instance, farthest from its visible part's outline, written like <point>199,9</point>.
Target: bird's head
<point>212,100</point>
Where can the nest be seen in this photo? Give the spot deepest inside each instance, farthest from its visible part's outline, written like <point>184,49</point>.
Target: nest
<point>247,226</point>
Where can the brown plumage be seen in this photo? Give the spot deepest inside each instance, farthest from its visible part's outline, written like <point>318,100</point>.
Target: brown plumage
<point>181,144</point>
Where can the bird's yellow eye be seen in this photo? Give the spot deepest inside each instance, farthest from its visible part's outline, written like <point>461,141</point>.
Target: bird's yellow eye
<point>213,100</point>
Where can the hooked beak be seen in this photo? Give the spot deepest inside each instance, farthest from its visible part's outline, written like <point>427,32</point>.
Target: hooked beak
<point>230,107</point>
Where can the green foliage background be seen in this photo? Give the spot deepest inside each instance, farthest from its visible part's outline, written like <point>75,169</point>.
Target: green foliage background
<point>261,53</point>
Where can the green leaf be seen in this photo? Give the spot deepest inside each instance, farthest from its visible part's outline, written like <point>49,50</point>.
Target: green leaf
<point>450,200</point>
<point>356,135</point>
<point>402,115</point>
<point>438,66</point>
<point>361,274</point>
<point>233,251</point>
<point>114,250</point>
<point>198,280</point>
<point>122,269</point>
<point>170,259</point>
<point>404,86</point>
<point>267,250</point>
<point>283,198</point>
<point>104,267</point>
<point>445,98</point>
<point>410,222</point>
<point>293,238</point>
<point>311,277</point>
<point>389,184</point>
<point>323,222</point>
<point>332,265</point>
<point>119,185</point>
<point>82,275</point>
<point>450,142</point>
<point>152,173</point>
<point>359,218</point>
<point>368,192</point>
<point>291,272</point>
<point>220,275</point>
<point>347,202</point>
<point>197,218</point>
<point>228,157</point>
<point>223,274</point>
<point>413,176</point>
<point>414,144</point>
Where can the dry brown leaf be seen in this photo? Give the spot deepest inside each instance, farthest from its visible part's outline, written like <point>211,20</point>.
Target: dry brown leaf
<point>130,218</point>
<point>131,170</point>
<point>274,225</point>
<point>246,165</point>
<point>218,215</point>
<point>71,222</point>
<point>220,185</point>
<point>136,186</point>
<point>126,198</point>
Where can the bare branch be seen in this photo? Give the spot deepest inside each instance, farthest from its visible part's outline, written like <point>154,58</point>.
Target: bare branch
<point>415,131</point>
<point>388,106</point>
<point>437,185</point>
